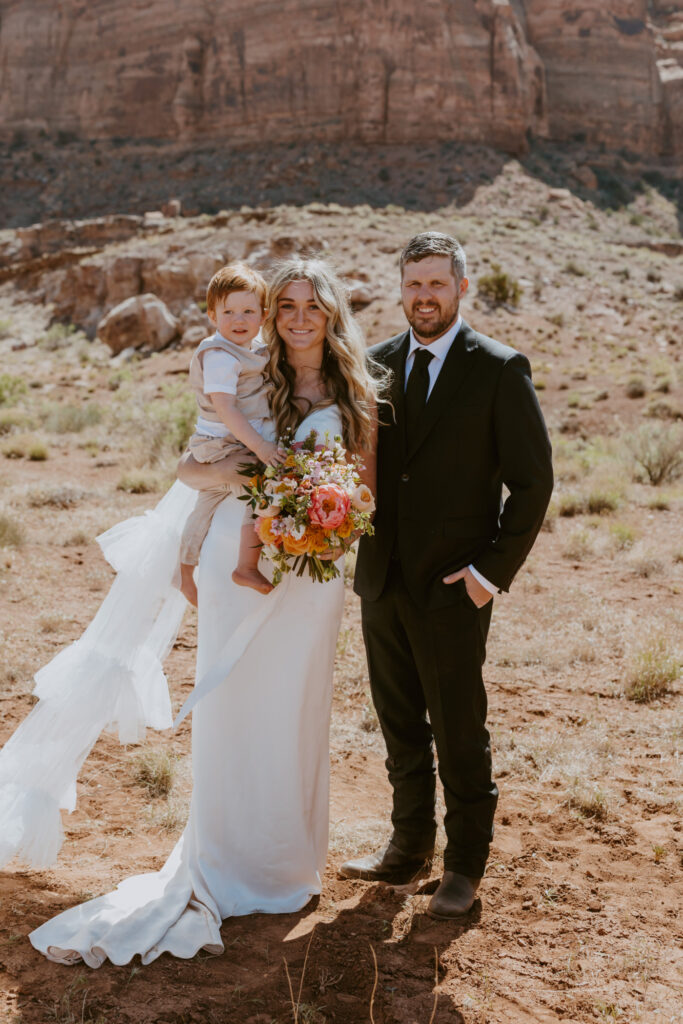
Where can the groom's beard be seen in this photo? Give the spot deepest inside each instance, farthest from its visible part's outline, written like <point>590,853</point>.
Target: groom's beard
<point>436,324</point>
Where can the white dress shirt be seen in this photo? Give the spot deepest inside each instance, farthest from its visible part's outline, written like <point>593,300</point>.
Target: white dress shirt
<point>438,350</point>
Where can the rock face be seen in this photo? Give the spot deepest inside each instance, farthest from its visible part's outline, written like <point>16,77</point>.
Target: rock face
<point>612,71</point>
<point>487,71</point>
<point>257,72</point>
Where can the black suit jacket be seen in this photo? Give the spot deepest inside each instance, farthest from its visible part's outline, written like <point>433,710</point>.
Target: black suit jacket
<point>439,493</point>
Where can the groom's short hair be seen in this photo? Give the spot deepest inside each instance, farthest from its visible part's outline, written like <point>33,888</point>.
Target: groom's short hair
<point>435,243</point>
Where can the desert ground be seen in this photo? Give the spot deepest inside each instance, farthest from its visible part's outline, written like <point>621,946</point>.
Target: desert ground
<point>579,913</point>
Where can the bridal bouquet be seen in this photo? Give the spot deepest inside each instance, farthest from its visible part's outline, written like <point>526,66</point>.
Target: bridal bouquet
<point>313,502</point>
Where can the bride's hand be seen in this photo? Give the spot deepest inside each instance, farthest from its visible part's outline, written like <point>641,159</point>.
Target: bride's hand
<point>331,555</point>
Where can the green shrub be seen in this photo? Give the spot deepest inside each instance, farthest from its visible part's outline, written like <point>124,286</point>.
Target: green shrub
<point>658,450</point>
<point>11,388</point>
<point>58,336</point>
<point>499,288</point>
<point>175,415</point>
<point>71,419</point>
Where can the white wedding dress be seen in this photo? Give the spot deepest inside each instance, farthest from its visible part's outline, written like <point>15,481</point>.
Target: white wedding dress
<point>256,838</point>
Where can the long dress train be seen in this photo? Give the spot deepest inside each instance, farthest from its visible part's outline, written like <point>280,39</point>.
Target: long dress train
<point>256,837</point>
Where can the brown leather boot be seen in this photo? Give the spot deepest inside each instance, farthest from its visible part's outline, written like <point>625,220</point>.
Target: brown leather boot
<point>454,897</point>
<point>389,865</point>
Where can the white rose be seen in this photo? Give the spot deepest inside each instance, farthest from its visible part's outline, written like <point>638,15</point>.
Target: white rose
<point>267,510</point>
<point>362,499</point>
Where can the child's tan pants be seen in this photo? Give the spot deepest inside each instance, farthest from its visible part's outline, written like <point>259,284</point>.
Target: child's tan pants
<point>199,521</point>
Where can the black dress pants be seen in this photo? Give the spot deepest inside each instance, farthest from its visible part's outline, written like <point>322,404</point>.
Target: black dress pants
<point>428,663</point>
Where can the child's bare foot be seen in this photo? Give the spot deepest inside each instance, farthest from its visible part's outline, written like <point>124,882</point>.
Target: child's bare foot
<point>188,587</point>
<point>248,576</point>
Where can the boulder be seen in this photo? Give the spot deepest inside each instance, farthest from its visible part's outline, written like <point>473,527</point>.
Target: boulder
<point>143,321</point>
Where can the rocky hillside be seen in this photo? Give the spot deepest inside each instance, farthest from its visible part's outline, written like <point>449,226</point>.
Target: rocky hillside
<point>488,71</point>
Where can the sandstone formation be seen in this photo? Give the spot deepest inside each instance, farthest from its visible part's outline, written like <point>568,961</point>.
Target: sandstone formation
<point>258,72</point>
<point>474,70</point>
<point>142,321</point>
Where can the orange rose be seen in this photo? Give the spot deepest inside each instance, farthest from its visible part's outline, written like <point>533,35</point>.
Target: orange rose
<point>295,547</point>
<point>264,531</point>
<point>346,528</point>
<point>317,541</point>
<point>255,481</point>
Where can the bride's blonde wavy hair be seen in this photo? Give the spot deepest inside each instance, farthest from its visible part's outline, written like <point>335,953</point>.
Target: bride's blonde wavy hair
<point>346,366</point>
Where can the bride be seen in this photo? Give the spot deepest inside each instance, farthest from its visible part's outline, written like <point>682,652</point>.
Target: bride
<point>256,838</point>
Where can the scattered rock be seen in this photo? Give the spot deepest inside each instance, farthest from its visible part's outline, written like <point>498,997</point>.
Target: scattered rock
<point>172,208</point>
<point>193,335</point>
<point>585,175</point>
<point>143,321</point>
<point>360,295</point>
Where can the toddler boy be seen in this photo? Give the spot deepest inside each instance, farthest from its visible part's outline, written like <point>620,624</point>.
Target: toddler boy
<point>227,375</point>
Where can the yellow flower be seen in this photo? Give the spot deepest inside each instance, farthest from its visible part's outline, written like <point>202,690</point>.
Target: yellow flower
<point>346,528</point>
<point>317,541</point>
<point>295,547</point>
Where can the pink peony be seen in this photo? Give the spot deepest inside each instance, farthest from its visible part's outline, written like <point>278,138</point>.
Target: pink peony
<point>329,505</point>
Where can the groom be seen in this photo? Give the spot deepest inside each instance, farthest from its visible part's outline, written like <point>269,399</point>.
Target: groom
<point>461,421</point>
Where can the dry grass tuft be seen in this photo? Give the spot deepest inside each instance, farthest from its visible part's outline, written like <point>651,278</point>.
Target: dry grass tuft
<point>12,419</point>
<point>622,536</point>
<point>169,815</point>
<point>55,497</point>
<point>579,545</point>
<point>635,387</point>
<point>51,623</point>
<point>78,539</point>
<point>653,670</point>
<point>155,770</point>
<point>11,532</point>
<point>646,565</point>
<point>138,482</point>
<point>590,802</point>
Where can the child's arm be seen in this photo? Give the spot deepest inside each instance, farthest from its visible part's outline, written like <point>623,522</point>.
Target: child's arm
<point>239,426</point>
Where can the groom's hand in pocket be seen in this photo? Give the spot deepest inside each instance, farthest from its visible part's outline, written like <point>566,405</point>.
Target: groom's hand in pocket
<point>477,593</point>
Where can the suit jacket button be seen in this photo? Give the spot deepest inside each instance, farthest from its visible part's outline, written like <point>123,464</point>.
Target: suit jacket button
<point>405,477</point>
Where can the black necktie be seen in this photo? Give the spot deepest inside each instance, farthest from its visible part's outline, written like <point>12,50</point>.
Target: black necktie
<point>417,389</point>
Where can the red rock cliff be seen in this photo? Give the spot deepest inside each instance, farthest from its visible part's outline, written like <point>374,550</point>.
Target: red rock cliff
<point>382,71</point>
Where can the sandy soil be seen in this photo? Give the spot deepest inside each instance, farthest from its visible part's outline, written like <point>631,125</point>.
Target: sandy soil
<point>578,917</point>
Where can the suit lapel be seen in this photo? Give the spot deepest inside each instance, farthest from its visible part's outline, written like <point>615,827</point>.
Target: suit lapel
<point>456,369</point>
